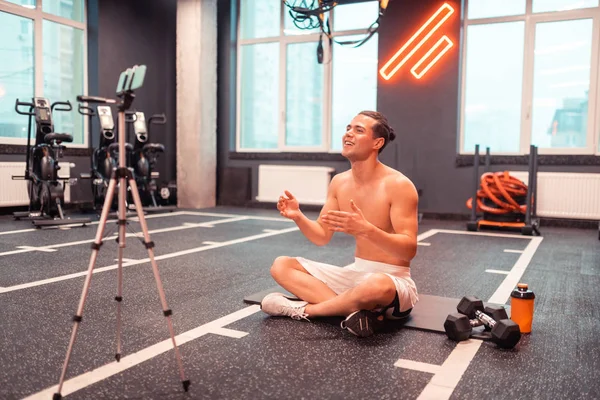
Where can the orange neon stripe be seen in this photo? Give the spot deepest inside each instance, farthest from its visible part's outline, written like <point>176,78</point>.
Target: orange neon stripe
<point>383,71</point>
<point>419,75</point>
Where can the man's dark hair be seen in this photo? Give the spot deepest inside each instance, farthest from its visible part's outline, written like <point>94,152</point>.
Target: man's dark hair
<point>381,128</point>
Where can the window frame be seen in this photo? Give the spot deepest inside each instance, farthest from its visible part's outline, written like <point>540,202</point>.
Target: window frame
<point>37,15</point>
<point>285,40</point>
<point>531,20</point>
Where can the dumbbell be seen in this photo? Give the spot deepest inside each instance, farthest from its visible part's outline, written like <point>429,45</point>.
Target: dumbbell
<point>469,304</point>
<point>459,326</point>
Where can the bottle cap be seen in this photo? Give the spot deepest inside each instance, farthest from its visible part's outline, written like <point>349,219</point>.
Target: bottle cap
<point>522,291</point>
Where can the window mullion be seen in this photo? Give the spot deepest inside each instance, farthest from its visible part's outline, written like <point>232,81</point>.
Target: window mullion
<point>593,136</point>
<point>282,82</point>
<point>527,94</point>
<point>327,96</point>
<point>38,26</point>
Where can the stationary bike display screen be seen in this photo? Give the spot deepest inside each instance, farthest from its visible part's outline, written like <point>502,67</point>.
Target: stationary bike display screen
<point>43,114</point>
<point>139,126</point>
<point>106,119</point>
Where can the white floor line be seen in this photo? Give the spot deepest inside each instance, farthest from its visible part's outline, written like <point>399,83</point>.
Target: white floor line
<point>143,261</point>
<point>513,251</point>
<point>210,243</point>
<point>258,217</point>
<point>417,366</point>
<point>186,225</point>
<point>89,378</point>
<point>451,371</point>
<point>442,384</point>
<point>423,244</point>
<point>160,215</point>
<point>33,248</point>
<point>229,333</point>
<point>427,234</point>
<point>502,294</point>
<point>506,235</point>
<point>497,271</point>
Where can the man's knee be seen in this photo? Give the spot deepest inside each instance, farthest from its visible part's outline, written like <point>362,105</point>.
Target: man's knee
<point>379,288</point>
<point>282,265</point>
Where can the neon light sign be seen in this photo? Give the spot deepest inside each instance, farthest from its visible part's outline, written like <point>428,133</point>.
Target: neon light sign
<point>422,35</point>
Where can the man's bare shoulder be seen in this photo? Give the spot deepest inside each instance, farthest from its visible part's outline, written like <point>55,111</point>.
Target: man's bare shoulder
<point>399,184</point>
<point>340,178</point>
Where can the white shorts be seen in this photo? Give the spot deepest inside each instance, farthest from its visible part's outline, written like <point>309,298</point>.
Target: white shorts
<point>340,279</point>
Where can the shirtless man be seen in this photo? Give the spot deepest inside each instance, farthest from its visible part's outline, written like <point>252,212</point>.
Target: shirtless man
<point>378,206</point>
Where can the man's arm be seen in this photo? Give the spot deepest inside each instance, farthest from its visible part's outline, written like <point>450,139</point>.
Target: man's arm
<point>403,214</point>
<point>316,231</point>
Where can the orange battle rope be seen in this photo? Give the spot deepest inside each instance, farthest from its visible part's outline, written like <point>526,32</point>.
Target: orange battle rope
<point>500,188</point>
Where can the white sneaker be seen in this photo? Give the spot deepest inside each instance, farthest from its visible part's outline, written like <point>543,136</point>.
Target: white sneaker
<point>277,305</point>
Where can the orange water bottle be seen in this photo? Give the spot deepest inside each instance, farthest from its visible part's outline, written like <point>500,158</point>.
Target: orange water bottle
<point>521,307</point>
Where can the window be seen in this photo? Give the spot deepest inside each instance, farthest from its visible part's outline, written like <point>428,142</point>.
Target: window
<point>16,72</point>
<point>49,63</point>
<point>287,100</point>
<point>530,76</point>
<point>494,63</point>
<point>63,74</point>
<point>561,83</point>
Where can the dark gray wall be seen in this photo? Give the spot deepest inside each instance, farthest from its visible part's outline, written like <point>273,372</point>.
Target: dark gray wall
<point>424,113</point>
<point>142,32</point>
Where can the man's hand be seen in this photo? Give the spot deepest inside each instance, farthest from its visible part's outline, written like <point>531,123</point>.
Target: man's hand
<point>352,223</point>
<point>289,206</point>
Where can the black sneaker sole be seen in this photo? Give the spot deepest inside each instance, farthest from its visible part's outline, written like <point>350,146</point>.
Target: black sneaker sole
<point>362,323</point>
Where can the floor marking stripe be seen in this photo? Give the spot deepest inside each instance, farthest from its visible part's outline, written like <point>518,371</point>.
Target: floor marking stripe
<point>143,261</point>
<point>160,215</point>
<point>418,366</point>
<point>33,248</point>
<point>210,243</point>
<point>89,378</point>
<point>497,271</point>
<point>427,234</point>
<point>513,251</point>
<point>423,244</point>
<point>502,294</point>
<point>506,235</point>
<point>229,333</point>
<point>25,249</point>
<point>442,384</point>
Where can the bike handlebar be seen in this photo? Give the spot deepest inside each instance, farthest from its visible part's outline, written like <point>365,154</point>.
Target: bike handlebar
<point>95,99</point>
<point>67,103</point>
<point>22,103</point>
<point>89,111</point>
<point>157,119</point>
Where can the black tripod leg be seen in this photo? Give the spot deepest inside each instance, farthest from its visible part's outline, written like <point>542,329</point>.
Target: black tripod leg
<point>86,286</point>
<point>150,246</point>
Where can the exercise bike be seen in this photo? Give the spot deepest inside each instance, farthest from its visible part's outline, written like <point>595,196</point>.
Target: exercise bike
<point>143,160</point>
<point>44,187</point>
<point>104,157</point>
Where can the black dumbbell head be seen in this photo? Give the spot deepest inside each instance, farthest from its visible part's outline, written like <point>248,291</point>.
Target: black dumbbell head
<point>496,311</point>
<point>506,333</point>
<point>468,305</point>
<point>457,327</point>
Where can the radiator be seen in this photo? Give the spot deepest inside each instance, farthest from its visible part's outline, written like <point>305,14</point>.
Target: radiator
<point>308,184</point>
<point>14,192</point>
<point>566,194</point>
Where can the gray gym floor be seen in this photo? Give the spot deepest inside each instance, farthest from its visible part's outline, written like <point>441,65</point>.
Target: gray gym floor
<point>210,259</point>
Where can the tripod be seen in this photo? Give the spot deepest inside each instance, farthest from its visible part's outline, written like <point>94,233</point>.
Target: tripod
<point>130,80</point>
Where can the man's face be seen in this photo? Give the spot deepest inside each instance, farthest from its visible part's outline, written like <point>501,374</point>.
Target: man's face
<point>358,142</point>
